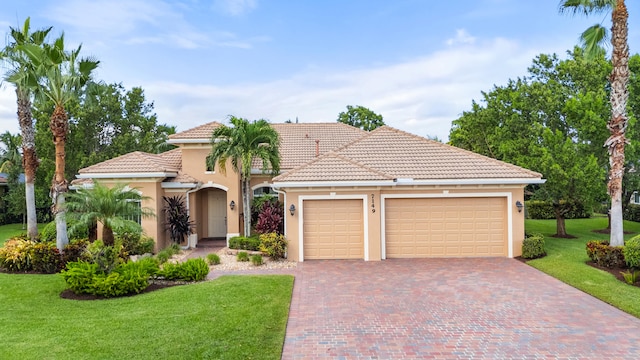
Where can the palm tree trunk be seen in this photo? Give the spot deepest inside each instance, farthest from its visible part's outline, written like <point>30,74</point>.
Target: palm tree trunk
<point>618,123</point>
<point>29,160</point>
<point>107,235</point>
<point>59,128</point>
<point>246,204</point>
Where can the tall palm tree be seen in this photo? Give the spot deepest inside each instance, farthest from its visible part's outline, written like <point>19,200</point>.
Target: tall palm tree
<point>63,75</point>
<point>112,207</point>
<point>592,40</point>
<point>241,144</point>
<point>21,75</point>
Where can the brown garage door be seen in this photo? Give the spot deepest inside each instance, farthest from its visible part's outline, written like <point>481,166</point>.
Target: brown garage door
<point>333,229</point>
<point>455,227</point>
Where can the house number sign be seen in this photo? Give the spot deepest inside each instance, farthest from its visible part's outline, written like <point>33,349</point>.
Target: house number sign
<point>373,204</point>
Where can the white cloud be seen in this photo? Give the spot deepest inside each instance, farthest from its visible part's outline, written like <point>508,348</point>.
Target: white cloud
<point>235,7</point>
<point>462,37</point>
<point>421,96</point>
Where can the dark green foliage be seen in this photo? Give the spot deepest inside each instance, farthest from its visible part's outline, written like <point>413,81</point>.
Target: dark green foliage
<point>631,252</point>
<point>537,209</point>
<point>166,253</point>
<point>48,232</point>
<point>45,258</point>
<point>533,247</point>
<point>632,213</point>
<point>257,203</point>
<point>257,260</point>
<point>360,117</point>
<point>242,256</point>
<point>213,259</point>
<point>604,255</point>
<point>244,243</point>
<point>128,278</point>
<point>177,221</point>
<point>79,276</point>
<point>190,270</point>
<point>106,257</point>
<point>75,251</point>
<point>270,218</point>
<point>273,245</point>
<point>135,243</point>
<point>76,231</point>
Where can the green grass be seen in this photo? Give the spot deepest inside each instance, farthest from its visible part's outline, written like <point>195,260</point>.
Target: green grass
<point>232,317</point>
<point>8,231</point>
<point>566,259</point>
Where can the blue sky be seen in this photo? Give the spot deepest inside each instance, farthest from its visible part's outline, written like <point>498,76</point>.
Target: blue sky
<point>419,63</point>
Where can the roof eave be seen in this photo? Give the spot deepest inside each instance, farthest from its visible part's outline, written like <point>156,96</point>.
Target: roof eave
<point>189,141</point>
<point>178,185</point>
<point>126,175</point>
<point>401,182</point>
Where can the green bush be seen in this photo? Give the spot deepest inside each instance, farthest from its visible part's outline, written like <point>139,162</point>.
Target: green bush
<point>127,278</point>
<point>48,232</point>
<point>273,245</point>
<point>106,257</point>
<point>537,209</point>
<point>45,258</point>
<point>631,252</point>
<point>75,230</point>
<point>533,247</point>
<point>15,255</point>
<point>213,259</point>
<point>166,253</point>
<point>135,243</point>
<point>190,270</point>
<point>632,212</point>
<point>75,250</point>
<point>257,260</point>
<point>242,256</point>
<point>244,243</point>
<point>604,255</point>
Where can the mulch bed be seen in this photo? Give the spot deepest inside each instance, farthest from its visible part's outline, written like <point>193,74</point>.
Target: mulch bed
<point>608,231</point>
<point>613,271</point>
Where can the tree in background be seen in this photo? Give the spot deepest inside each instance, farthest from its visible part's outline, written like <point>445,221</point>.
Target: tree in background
<point>64,75</point>
<point>592,39</point>
<point>552,122</point>
<point>241,144</point>
<point>12,200</point>
<point>360,117</point>
<point>112,207</point>
<point>22,75</point>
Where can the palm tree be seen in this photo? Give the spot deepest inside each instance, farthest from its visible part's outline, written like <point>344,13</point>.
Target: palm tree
<point>241,144</point>
<point>21,75</point>
<point>10,156</point>
<point>112,207</point>
<point>592,40</point>
<point>63,75</point>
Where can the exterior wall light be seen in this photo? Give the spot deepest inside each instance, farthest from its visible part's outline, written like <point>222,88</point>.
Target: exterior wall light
<point>292,209</point>
<point>232,205</point>
<point>519,206</point>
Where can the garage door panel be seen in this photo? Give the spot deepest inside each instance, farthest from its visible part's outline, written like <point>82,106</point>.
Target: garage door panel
<point>333,229</point>
<point>428,227</point>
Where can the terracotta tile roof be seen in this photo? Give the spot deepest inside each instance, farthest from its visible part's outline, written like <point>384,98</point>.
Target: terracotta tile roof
<point>182,178</point>
<point>398,154</point>
<point>80,182</point>
<point>335,167</point>
<point>199,132</point>
<point>138,162</point>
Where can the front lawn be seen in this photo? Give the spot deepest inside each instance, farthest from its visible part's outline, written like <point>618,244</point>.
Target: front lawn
<point>232,317</point>
<point>566,259</point>
<point>11,230</point>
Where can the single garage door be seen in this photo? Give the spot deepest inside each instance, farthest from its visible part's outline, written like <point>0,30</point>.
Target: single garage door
<point>447,227</point>
<point>333,229</point>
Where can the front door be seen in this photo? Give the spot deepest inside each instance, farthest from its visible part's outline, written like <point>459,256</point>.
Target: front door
<point>217,214</point>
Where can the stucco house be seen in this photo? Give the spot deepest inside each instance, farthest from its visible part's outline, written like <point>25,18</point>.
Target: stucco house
<point>348,193</point>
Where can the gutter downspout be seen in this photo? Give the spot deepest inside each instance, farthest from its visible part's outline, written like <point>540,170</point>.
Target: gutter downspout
<point>198,185</point>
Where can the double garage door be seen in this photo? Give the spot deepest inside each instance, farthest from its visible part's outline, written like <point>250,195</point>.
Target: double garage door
<point>413,228</point>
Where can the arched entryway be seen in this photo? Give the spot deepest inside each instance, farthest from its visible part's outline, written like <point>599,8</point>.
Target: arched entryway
<point>212,208</point>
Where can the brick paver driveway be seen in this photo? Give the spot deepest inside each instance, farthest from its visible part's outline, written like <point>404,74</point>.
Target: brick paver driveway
<point>449,308</point>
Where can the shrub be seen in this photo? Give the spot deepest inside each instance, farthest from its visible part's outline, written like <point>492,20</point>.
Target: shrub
<point>15,255</point>
<point>213,259</point>
<point>75,230</point>
<point>632,212</point>
<point>166,253</point>
<point>135,243</point>
<point>45,258</point>
<point>48,232</point>
<point>242,256</point>
<point>79,276</point>
<point>106,257</point>
<point>630,277</point>
<point>631,251</point>
<point>256,260</point>
<point>244,243</point>
<point>537,209</point>
<point>127,278</point>
<point>270,218</point>
<point>257,203</point>
<point>75,250</point>
<point>604,255</point>
<point>147,265</point>
<point>177,221</point>
<point>190,270</point>
<point>533,247</point>
<point>273,245</point>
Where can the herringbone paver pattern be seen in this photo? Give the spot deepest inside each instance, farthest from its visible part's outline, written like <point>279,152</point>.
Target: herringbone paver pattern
<point>449,309</point>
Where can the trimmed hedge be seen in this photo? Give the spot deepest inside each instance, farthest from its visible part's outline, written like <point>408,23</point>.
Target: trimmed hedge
<point>632,213</point>
<point>533,247</point>
<point>543,210</point>
<point>631,252</point>
<point>604,255</point>
<point>244,243</point>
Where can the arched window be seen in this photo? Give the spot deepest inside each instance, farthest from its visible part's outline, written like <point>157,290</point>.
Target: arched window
<point>264,191</point>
